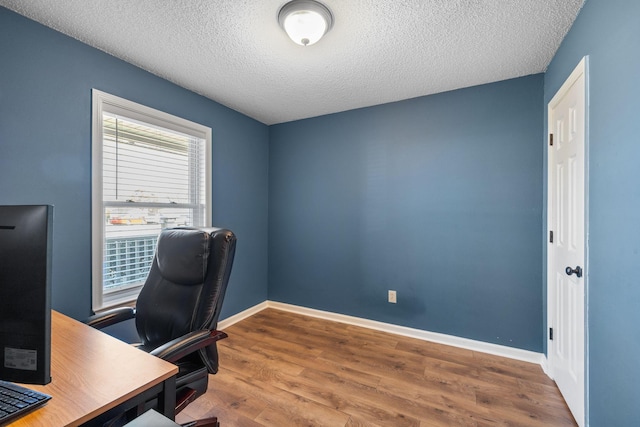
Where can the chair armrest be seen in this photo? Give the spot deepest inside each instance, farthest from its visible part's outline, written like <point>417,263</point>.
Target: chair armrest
<point>178,348</point>
<point>111,317</point>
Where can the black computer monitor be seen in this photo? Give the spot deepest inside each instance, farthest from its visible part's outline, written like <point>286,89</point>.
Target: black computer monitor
<point>25,293</point>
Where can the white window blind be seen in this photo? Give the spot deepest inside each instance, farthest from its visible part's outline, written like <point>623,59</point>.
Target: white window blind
<point>151,171</point>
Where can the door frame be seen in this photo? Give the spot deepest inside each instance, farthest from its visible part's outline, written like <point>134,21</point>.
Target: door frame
<point>581,69</point>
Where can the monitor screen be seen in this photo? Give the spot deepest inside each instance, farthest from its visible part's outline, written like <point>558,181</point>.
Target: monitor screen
<point>25,293</point>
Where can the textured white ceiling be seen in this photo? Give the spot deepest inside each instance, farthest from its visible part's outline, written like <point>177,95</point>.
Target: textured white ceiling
<point>379,51</point>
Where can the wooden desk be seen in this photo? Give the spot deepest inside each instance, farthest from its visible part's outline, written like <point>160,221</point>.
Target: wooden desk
<point>94,375</point>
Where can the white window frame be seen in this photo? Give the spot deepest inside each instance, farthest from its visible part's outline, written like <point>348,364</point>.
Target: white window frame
<point>105,103</point>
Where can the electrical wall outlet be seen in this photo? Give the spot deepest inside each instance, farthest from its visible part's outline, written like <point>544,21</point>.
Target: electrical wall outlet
<point>392,297</point>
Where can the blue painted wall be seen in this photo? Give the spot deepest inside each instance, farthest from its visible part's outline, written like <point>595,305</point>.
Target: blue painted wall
<point>608,31</point>
<point>436,197</point>
<point>45,153</point>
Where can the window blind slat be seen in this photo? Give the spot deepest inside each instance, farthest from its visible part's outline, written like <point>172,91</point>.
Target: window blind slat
<point>146,164</point>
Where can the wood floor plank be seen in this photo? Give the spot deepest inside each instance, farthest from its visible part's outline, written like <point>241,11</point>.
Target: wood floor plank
<point>383,361</point>
<point>358,375</point>
<point>233,408</point>
<point>358,422</point>
<point>385,407</point>
<point>311,384</point>
<point>279,368</point>
<point>513,368</point>
<point>283,404</point>
<point>421,390</point>
<point>521,411</point>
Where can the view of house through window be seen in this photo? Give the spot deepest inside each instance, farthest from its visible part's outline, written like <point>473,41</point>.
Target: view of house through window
<point>149,177</point>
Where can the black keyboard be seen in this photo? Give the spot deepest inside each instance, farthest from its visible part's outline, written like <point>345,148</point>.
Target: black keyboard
<point>15,400</point>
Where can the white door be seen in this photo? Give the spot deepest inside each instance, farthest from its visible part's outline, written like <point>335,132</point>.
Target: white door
<point>566,254</point>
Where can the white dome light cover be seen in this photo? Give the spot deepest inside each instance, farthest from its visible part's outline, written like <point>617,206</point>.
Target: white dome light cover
<point>305,21</point>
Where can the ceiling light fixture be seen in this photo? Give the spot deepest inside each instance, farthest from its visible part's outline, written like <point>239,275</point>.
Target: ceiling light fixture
<point>305,21</point>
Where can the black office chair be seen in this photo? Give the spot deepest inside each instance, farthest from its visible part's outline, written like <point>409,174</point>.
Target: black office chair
<point>177,311</point>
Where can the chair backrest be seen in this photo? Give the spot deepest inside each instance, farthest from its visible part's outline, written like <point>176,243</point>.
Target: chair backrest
<point>185,287</point>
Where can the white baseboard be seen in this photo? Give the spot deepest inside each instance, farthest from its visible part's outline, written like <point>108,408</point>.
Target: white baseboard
<point>242,315</point>
<point>544,363</point>
<point>483,347</point>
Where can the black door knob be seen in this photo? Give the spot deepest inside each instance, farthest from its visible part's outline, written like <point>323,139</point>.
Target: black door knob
<point>570,271</point>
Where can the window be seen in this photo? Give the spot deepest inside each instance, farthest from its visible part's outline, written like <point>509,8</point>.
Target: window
<point>151,170</point>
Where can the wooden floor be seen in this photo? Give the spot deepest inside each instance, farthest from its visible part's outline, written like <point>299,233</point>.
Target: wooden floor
<point>283,369</point>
